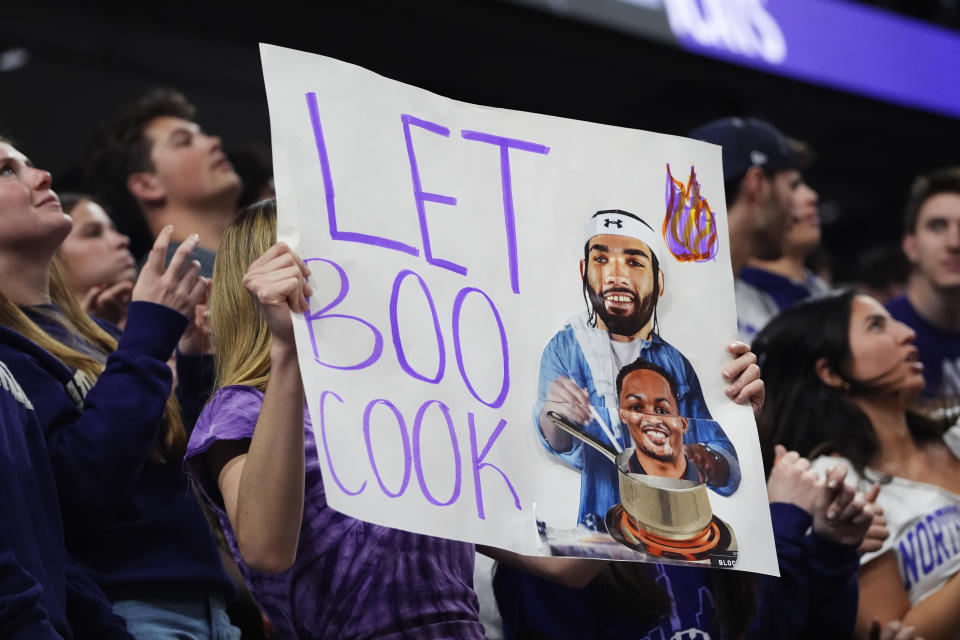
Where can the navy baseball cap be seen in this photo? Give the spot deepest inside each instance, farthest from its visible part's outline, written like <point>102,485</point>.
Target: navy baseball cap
<point>748,142</point>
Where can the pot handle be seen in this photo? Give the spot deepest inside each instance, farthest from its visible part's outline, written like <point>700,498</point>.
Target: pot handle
<point>568,425</point>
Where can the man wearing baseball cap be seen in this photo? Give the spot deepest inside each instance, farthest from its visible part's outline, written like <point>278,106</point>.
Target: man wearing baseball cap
<point>760,173</point>
<point>622,283</point>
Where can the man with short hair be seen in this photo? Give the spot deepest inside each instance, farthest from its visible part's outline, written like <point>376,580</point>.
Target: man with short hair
<point>761,175</point>
<point>787,279</point>
<point>931,305</point>
<point>648,406</point>
<point>622,282</point>
<point>154,166</point>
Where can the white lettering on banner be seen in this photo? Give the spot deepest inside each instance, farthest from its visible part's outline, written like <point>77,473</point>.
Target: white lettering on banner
<point>740,26</point>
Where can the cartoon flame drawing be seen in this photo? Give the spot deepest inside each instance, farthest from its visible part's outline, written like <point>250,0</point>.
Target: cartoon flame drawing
<point>689,228</point>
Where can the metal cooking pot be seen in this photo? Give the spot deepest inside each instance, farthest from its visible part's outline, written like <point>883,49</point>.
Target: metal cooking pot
<point>671,508</point>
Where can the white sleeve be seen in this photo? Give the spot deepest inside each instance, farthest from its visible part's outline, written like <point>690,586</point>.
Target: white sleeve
<point>823,463</point>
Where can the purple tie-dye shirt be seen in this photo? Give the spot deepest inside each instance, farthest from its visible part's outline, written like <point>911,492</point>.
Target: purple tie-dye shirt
<point>350,579</point>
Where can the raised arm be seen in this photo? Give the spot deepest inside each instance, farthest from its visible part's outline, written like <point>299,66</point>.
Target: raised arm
<point>99,442</point>
<point>263,485</point>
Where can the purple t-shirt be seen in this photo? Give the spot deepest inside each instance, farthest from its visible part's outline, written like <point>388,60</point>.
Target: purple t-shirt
<point>350,579</point>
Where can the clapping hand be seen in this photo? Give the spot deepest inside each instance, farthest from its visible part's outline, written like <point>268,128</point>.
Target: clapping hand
<point>841,513</point>
<point>891,631</point>
<point>109,302</point>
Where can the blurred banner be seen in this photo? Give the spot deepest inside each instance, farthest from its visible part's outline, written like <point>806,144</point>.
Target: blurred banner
<point>837,44</point>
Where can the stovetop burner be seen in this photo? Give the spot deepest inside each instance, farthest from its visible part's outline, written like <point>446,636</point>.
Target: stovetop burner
<point>717,537</point>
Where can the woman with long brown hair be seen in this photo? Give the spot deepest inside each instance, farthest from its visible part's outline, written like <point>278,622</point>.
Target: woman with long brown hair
<point>841,376</point>
<point>112,426</point>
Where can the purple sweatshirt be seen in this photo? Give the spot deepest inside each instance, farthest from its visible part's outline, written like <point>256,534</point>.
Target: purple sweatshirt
<point>43,593</point>
<point>131,523</point>
<point>350,579</point>
<point>32,557</point>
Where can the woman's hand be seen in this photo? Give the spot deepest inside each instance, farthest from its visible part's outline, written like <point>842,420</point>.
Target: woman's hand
<point>198,338</point>
<point>743,377</point>
<point>793,481</point>
<point>843,514</point>
<point>878,531</point>
<point>278,282</point>
<point>177,286</point>
<point>892,631</point>
<point>108,303</point>
<point>263,487</point>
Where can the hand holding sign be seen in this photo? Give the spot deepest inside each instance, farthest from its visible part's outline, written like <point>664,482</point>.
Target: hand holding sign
<point>743,375</point>
<point>443,228</point>
<point>278,282</point>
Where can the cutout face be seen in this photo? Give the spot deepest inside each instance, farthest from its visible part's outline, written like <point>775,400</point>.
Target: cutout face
<point>620,283</point>
<point>650,411</point>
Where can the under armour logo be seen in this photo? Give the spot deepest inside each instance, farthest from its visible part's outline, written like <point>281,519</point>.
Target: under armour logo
<point>607,222</point>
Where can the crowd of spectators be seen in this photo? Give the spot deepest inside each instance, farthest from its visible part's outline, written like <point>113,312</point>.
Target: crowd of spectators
<point>158,487</point>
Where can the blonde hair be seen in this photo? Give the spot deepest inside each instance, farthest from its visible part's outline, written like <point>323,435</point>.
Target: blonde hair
<point>11,316</point>
<point>78,322</point>
<point>240,333</point>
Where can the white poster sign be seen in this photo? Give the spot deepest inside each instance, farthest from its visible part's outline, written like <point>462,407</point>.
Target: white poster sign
<point>518,323</point>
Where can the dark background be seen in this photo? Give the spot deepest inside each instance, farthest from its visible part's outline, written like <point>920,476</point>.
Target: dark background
<point>86,62</point>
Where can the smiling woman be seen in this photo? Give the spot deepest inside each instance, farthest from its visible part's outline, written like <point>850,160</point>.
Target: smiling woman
<point>113,429</point>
